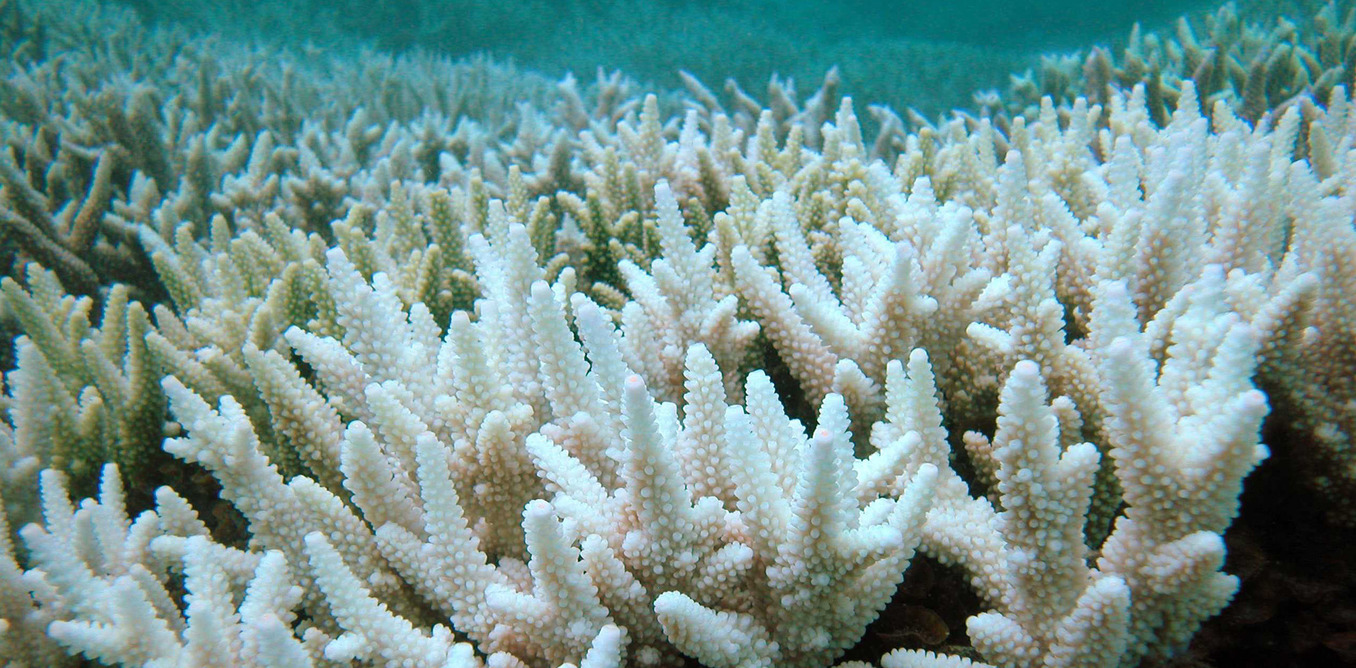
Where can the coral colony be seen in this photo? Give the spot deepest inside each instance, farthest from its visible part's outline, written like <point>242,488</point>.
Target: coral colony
<point>408,362</point>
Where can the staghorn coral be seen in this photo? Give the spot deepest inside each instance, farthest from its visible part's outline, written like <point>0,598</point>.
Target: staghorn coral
<point>501,401</point>
<point>1255,60</point>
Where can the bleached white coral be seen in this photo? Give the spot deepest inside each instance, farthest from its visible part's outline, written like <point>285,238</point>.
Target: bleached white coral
<point>573,470</point>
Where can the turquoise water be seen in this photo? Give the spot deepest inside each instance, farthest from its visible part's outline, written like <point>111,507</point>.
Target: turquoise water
<point>927,56</point>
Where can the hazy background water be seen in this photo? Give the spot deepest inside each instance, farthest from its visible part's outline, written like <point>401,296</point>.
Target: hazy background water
<point>930,56</point>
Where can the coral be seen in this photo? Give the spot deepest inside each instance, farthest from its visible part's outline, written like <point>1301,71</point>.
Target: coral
<point>1231,55</point>
<point>612,377</point>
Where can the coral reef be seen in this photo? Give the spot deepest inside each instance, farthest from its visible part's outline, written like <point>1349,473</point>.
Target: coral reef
<point>1254,67</point>
<point>409,362</point>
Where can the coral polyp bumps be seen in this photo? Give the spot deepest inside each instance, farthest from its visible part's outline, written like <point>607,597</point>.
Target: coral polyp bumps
<point>629,379</point>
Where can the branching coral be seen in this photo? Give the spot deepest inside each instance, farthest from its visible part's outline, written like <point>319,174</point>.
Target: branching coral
<point>617,384</point>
